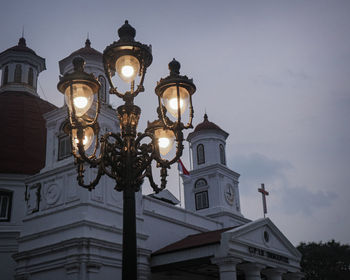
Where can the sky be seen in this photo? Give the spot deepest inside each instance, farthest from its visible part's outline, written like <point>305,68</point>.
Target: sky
<point>274,74</point>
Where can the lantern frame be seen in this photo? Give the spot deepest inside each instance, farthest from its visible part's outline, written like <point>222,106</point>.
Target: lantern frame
<point>177,80</point>
<point>126,45</point>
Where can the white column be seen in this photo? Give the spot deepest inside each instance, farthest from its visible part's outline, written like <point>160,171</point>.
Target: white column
<point>293,276</point>
<point>273,273</point>
<point>251,270</point>
<point>227,267</point>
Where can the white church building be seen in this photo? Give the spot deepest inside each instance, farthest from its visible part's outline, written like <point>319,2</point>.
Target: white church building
<point>51,228</point>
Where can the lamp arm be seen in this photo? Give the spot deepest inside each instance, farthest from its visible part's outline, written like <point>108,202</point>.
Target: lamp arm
<point>109,75</point>
<point>104,143</point>
<point>163,175</point>
<point>80,177</point>
<point>116,136</point>
<point>149,175</point>
<point>141,136</point>
<point>145,152</point>
<point>113,90</point>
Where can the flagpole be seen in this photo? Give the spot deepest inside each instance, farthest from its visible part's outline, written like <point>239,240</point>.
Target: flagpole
<point>190,154</point>
<point>184,172</point>
<point>178,171</point>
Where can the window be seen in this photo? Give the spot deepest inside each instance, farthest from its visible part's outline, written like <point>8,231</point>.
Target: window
<point>102,92</point>
<point>200,154</point>
<point>6,76</point>
<point>202,200</point>
<point>64,147</point>
<point>30,76</point>
<point>5,205</point>
<point>18,73</point>
<point>64,142</point>
<point>222,155</point>
<point>200,183</point>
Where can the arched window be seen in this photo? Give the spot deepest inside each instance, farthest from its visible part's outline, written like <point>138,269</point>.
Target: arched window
<point>201,195</point>
<point>102,92</point>
<point>64,144</point>
<point>5,205</point>
<point>6,76</point>
<point>200,154</point>
<point>30,76</point>
<point>222,154</point>
<point>18,73</point>
<point>200,183</point>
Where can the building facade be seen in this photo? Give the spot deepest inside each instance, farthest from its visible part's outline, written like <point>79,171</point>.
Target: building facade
<point>51,228</point>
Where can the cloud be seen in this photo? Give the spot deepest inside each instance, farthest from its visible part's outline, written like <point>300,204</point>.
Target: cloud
<point>259,167</point>
<point>296,200</point>
<point>297,75</point>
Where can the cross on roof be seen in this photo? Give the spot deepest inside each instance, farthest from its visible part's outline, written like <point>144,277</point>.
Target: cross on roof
<point>264,193</point>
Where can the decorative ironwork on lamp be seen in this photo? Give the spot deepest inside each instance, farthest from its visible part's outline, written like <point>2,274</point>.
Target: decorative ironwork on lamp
<point>125,156</point>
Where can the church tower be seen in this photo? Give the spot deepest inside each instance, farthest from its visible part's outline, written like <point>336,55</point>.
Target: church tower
<point>212,188</point>
<point>22,142</point>
<point>59,145</point>
<point>20,67</point>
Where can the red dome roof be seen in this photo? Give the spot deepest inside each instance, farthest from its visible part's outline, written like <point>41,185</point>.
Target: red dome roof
<point>87,50</point>
<point>205,126</point>
<point>21,47</point>
<point>23,133</point>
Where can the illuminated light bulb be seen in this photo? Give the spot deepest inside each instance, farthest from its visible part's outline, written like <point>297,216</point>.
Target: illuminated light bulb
<point>127,67</point>
<point>80,102</point>
<point>82,98</point>
<point>170,100</point>
<point>88,136</point>
<point>85,140</point>
<point>127,71</point>
<point>163,142</point>
<point>165,139</point>
<point>173,103</point>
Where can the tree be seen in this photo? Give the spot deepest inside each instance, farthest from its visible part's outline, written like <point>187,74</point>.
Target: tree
<point>325,261</point>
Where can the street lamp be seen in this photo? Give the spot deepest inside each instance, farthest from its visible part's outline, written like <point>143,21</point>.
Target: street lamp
<point>125,156</point>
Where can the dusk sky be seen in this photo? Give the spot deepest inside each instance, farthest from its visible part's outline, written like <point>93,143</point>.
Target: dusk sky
<point>274,74</point>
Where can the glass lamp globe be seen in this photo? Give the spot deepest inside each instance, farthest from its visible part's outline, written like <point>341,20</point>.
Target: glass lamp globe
<point>165,139</point>
<point>87,138</point>
<point>127,67</point>
<point>82,98</point>
<point>171,102</point>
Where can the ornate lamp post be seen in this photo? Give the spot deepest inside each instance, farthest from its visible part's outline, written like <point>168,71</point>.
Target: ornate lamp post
<point>125,156</point>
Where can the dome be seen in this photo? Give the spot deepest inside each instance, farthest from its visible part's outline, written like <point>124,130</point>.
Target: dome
<point>23,141</point>
<point>205,126</point>
<point>21,47</point>
<point>87,53</point>
<point>87,50</point>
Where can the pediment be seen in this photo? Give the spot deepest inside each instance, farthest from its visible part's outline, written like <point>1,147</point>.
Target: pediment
<point>261,237</point>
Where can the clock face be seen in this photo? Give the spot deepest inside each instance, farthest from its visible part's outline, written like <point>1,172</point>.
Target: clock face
<point>229,194</point>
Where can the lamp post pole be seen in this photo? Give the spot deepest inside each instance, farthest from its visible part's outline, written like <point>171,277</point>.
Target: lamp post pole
<point>126,156</point>
<point>129,262</point>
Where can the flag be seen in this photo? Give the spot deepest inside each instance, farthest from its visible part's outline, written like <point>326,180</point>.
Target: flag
<point>182,169</point>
